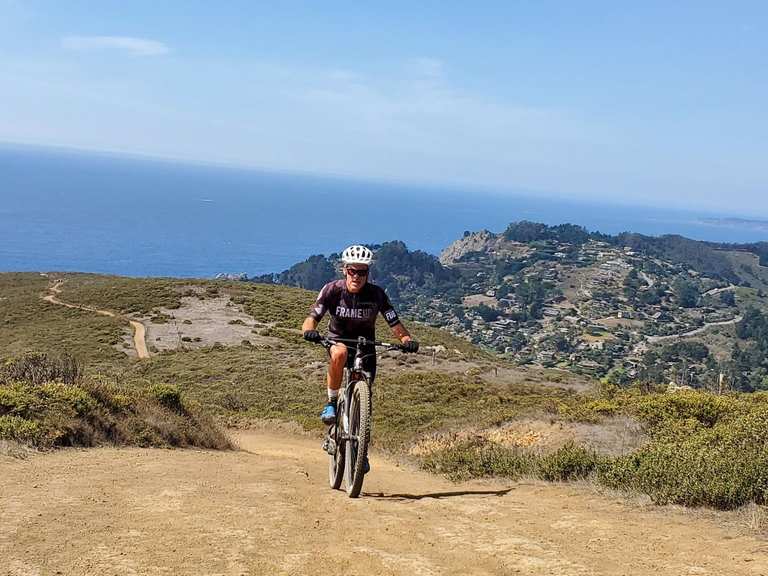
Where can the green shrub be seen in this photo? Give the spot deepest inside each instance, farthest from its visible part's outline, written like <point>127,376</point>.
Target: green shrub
<point>569,462</point>
<point>479,457</point>
<point>19,429</point>
<point>724,465</point>
<point>49,414</point>
<point>167,395</point>
<point>704,407</point>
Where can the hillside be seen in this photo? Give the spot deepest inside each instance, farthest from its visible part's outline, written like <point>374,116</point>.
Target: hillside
<point>232,349</point>
<point>594,304</point>
<point>235,349</point>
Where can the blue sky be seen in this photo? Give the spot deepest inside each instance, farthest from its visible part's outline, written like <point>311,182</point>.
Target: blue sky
<point>646,102</point>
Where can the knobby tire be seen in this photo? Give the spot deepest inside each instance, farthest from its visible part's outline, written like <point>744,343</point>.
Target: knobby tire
<point>359,412</point>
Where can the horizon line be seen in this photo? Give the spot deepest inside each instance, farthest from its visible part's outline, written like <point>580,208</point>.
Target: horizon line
<point>485,189</point>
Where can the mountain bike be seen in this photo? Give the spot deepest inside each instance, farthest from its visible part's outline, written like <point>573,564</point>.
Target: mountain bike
<point>347,440</point>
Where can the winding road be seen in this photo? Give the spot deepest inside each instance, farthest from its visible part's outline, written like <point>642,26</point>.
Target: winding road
<point>694,332</point>
<point>139,330</point>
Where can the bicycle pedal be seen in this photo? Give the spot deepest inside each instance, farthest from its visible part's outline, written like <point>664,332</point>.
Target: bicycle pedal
<point>329,446</point>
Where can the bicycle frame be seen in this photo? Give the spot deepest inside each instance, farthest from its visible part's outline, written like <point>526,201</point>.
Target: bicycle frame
<point>347,439</point>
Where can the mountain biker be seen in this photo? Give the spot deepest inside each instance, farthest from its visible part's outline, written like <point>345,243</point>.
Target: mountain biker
<point>353,304</point>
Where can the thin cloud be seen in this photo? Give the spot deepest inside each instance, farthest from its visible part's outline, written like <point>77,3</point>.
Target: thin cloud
<point>427,67</point>
<point>129,44</point>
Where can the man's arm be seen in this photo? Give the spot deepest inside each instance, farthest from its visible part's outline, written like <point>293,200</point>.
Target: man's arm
<point>401,333</point>
<point>316,313</point>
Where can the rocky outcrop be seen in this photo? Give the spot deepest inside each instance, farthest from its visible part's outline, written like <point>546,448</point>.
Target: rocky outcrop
<point>492,245</point>
<point>474,242</point>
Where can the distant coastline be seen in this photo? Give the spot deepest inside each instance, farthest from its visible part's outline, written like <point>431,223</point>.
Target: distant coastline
<point>69,212</point>
<point>761,225</point>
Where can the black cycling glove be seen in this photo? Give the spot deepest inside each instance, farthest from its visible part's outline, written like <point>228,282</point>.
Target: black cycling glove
<point>411,346</point>
<point>312,336</point>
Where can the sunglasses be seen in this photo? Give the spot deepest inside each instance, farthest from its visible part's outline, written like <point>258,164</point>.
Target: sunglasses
<point>357,272</point>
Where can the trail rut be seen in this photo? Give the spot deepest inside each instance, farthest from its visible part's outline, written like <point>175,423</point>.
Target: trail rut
<point>267,510</point>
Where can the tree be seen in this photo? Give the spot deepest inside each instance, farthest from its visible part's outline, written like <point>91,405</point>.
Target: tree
<point>486,312</point>
<point>311,274</point>
<point>686,292</point>
<point>728,298</point>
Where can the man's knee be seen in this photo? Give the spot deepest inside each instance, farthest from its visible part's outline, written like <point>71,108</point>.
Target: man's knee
<point>338,355</point>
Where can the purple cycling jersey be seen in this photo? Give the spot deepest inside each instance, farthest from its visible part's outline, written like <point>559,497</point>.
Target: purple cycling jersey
<point>353,315</point>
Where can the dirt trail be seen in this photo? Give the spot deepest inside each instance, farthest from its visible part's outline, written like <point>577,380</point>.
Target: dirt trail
<point>267,510</point>
<point>139,330</point>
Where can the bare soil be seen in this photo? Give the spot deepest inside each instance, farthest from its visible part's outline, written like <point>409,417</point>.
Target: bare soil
<point>476,299</point>
<point>615,436</point>
<point>267,510</point>
<point>199,323</point>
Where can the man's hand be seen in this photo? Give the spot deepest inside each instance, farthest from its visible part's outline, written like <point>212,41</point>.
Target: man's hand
<point>411,346</point>
<point>312,336</point>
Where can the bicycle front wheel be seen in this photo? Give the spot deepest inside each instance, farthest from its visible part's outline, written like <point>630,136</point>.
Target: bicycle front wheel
<point>358,437</point>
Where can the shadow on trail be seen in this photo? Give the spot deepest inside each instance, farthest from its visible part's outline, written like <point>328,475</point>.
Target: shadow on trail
<point>437,495</point>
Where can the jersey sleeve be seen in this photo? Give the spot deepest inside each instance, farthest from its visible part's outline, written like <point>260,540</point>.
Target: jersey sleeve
<point>320,307</point>
<point>388,311</point>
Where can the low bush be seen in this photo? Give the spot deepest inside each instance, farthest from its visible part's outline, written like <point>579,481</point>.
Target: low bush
<point>167,395</point>
<point>38,368</point>
<point>569,462</point>
<point>707,409</point>
<point>723,466</point>
<point>87,413</point>
<point>479,457</point>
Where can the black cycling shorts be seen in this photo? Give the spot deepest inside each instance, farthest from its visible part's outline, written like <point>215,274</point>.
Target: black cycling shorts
<point>369,359</point>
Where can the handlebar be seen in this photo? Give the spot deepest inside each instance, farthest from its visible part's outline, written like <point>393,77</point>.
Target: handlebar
<point>328,342</point>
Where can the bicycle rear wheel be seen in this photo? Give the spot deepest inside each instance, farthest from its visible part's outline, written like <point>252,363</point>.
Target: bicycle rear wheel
<point>336,460</point>
<point>358,437</point>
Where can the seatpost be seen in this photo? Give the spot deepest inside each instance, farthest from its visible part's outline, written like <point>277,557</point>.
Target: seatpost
<point>359,353</point>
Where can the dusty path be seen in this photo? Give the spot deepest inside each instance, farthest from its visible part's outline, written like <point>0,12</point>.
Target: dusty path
<point>267,510</point>
<point>139,330</point>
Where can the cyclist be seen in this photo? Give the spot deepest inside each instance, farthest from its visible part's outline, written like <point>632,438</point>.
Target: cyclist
<point>353,304</point>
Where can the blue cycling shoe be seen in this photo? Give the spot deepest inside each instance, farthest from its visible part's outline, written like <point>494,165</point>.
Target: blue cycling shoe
<point>328,415</point>
<point>366,465</point>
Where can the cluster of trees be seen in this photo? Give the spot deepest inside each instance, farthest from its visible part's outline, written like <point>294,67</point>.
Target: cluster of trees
<point>703,257</point>
<point>486,312</point>
<point>686,292</point>
<point>749,358</point>
<point>402,272</point>
<point>312,274</point>
<point>759,249</point>
<point>526,231</point>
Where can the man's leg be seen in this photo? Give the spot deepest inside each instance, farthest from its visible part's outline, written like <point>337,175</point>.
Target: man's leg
<point>336,365</point>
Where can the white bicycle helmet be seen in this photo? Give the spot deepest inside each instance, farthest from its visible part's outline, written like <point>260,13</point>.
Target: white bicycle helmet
<point>357,254</point>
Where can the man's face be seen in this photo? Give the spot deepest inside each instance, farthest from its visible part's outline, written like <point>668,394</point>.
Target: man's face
<point>357,276</point>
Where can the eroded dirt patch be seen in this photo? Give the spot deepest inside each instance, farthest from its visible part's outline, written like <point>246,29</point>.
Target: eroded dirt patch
<point>615,436</point>
<point>204,322</point>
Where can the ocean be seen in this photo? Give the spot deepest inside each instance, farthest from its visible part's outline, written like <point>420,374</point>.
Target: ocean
<point>73,211</point>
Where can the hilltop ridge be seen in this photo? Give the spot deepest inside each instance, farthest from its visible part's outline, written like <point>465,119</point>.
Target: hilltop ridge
<point>561,296</point>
